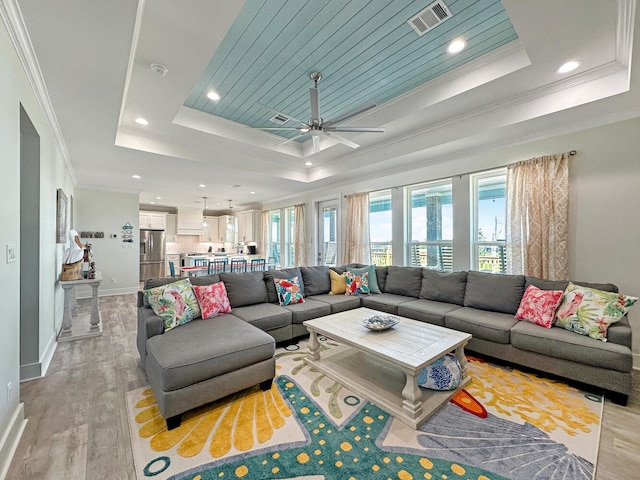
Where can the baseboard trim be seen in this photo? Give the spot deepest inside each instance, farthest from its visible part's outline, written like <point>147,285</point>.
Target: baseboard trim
<point>11,438</point>
<point>39,370</point>
<point>50,349</point>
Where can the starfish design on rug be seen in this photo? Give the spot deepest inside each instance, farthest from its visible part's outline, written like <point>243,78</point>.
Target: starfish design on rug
<point>350,452</point>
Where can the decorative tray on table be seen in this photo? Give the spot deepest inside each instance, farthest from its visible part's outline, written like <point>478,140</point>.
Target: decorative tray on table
<point>380,322</point>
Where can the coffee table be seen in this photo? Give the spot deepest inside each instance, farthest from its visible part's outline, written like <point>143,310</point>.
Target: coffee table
<point>383,365</point>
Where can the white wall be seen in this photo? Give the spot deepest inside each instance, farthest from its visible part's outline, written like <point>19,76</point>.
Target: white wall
<point>604,195</point>
<point>118,262</point>
<point>15,90</point>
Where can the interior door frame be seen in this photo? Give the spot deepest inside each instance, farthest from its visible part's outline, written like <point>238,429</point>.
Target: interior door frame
<point>320,209</point>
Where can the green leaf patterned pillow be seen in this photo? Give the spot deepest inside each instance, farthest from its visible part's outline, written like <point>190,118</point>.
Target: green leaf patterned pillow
<point>174,302</point>
<point>588,311</point>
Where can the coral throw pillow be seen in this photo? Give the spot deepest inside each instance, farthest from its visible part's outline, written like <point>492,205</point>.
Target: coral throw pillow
<point>338,285</point>
<point>356,283</point>
<point>174,302</point>
<point>288,290</point>
<point>539,306</point>
<point>588,311</point>
<point>213,299</point>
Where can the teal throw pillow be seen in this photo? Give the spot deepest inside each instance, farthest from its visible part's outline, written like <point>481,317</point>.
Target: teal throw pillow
<point>373,279</point>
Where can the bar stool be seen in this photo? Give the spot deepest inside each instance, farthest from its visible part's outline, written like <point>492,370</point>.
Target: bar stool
<point>200,262</point>
<point>172,270</point>
<point>258,264</point>
<point>238,265</point>
<point>217,266</point>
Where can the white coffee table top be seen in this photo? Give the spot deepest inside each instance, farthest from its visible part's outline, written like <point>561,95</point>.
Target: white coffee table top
<point>410,344</point>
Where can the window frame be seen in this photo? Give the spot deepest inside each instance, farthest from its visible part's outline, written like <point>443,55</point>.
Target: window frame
<point>500,245</point>
<point>413,248</point>
<point>385,257</point>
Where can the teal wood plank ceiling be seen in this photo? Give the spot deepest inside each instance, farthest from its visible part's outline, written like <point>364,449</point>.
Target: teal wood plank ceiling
<point>364,49</point>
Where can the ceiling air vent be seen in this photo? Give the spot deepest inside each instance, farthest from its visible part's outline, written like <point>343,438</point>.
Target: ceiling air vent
<point>433,15</point>
<point>279,119</point>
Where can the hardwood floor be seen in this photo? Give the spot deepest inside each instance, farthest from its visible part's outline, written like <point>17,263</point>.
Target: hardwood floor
<point>77,425</point>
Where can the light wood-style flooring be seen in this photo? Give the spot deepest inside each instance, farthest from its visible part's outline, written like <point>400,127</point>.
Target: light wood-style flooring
<point>77,424</point>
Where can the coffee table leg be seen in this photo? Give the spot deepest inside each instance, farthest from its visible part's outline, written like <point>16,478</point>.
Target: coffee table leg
<point>462,360</point>
<point>313,348</point>
<point>412,396</point>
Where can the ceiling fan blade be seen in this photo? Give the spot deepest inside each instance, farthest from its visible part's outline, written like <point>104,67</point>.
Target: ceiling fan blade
<point>316,143</point>
<point>342,140</point>
<point>349,114</point>
<point>280,113</point>
<point>279,128</point>
<point>315,106</point>
<point>292,139</point>
<point>355,129</point>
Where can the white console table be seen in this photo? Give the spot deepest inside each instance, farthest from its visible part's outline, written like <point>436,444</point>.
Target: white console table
<point>86,324</point>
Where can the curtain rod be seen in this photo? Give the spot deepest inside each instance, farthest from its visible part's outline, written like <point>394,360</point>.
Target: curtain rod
<point>571,154</point>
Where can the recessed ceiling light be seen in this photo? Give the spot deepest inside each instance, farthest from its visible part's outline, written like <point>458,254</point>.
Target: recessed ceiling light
<point>308,164</point>
<point>202,185</point>
<point>142,121</point>
<point>218,203</point>
<point>456,46</point>
<point>158,198</point>
<point>569,66</point>
<point>136,176</point>
<point>152,203</point>
<point>213,95</point>
<point>252,193</point>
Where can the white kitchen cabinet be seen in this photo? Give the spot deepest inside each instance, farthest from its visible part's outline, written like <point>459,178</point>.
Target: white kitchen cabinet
<point>190,221</point>
<point>210,234</point>
<point>249,226</point>
<point>172,227</point>
<point>225,234</point>
<point>154,220</point>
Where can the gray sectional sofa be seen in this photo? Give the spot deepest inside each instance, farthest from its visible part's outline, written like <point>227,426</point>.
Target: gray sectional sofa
<point>481,304</point>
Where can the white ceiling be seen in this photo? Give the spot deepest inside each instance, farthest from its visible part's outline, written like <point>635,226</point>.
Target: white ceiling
<point>95,58</point>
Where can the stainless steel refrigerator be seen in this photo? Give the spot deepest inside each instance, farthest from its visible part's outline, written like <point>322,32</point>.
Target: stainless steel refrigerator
<point>151,254</point>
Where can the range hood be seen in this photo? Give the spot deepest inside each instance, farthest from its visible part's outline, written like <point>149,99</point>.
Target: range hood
<point>189,221</point>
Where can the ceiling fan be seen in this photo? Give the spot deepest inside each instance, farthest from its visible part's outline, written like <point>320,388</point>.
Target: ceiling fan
<point>316,126</point>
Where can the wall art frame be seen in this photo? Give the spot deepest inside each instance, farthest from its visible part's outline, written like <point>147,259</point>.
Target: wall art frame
<point>61,216</point>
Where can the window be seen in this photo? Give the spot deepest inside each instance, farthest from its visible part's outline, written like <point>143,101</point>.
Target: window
<point>274,237</point>
<point>430,225</point>
<point>380,227</point>
<point>281,241</point>
<point>289,244</point>
<point>489,221</point>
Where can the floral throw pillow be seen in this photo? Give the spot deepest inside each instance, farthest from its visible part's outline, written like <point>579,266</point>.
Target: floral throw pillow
<point>443,374</point>
<point>288,290</point>
<point>356,283</point>
<point>539,306</point>
<point>174,302</point>
<point>213,299</point>
<point>588,311</point>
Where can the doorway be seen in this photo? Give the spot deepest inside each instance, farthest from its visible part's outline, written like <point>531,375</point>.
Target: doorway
<point>328,232</point>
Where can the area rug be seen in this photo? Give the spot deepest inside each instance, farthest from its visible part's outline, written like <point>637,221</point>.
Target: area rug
<point>505,424</point>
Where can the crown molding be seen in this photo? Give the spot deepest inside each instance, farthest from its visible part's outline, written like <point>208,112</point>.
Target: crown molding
<point>14,23</point>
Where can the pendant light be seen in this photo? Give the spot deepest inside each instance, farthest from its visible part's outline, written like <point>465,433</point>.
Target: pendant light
<point>230,225</point>
<point>205,225</point>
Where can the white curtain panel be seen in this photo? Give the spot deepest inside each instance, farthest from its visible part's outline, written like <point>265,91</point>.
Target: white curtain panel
<point>264,243</point>
<point>356,246</point>
<point>538,217</point>
<point>299,237</point>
